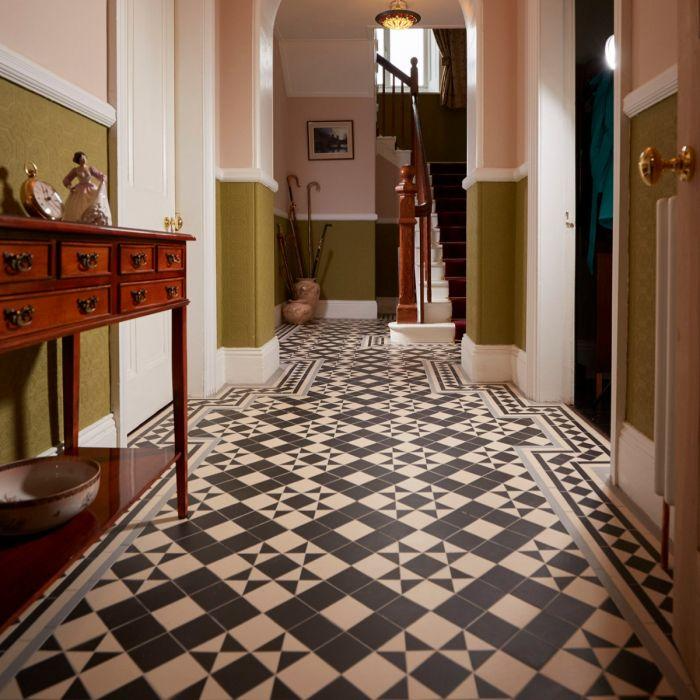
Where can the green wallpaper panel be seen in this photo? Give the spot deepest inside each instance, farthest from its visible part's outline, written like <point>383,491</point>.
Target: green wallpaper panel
<point>245,264</point>
<point>491,237</point>
<point>33,128</point>
<point>520,265</point>
<point>386,253</point>
<point>444,130</point>
<point>280,291</point>
<point>347,267</point>
<point>655,126</point>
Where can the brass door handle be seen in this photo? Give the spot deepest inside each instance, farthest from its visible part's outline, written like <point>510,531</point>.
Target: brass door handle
<point>652,165</point>
<point>173,223</point>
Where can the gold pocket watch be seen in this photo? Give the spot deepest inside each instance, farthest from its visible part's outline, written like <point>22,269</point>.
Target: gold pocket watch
<point>40,198</point>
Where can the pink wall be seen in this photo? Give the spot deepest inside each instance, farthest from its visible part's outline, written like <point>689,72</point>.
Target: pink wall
<point>521,83</point>
<point>388,177</point>
<point>69,37</point>
<point>281,108</point>
<point>500,83</point>
<point>347,185</point>
<point>235,83</point>
<point>654,38</point>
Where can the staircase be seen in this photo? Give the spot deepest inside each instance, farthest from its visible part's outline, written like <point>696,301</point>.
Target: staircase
<point>450,206</point>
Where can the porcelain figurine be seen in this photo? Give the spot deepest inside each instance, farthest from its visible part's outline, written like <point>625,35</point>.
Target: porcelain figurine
<point>87,201</point>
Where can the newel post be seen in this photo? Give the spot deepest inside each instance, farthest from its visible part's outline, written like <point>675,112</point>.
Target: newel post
<point>406,311</point>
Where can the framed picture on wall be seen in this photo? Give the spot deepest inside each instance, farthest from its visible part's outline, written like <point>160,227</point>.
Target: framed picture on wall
<point>334,140</point>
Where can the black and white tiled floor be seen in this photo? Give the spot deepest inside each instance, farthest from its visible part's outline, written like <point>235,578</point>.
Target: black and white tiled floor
<point>369,524</point>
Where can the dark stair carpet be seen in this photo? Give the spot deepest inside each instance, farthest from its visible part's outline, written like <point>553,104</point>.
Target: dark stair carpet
<point>451,207</point>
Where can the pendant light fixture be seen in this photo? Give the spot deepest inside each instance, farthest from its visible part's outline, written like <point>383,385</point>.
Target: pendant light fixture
<point>398,16</point>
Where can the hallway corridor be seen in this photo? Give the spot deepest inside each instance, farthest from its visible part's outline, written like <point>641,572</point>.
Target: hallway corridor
<point>367,525</point>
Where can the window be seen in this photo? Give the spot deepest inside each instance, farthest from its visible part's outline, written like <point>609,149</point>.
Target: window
<point>399,46</point>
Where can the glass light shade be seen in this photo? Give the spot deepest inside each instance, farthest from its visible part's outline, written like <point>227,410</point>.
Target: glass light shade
<point>398,16</point>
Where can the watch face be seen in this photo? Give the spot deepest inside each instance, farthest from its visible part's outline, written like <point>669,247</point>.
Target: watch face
<point>47,200</point>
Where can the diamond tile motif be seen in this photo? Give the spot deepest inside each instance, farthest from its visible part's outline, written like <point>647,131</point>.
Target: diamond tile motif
<point>369,524</point>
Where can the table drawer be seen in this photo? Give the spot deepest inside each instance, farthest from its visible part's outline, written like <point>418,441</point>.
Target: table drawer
<point>135,296</point>
<point>134,259</point>
<point>171,257</point>
<point>24,261</point>
<point>84,259</point>
<point>37,312</point>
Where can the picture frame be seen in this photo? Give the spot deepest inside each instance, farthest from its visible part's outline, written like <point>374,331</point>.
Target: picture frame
<point>331,140</point>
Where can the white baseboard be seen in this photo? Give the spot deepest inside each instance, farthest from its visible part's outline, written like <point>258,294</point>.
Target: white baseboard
<point>340,308</point>
<point>102,433</point>
<point>278,315</point>
<point>487,363</point>
<point>247,366</point>
<point>386,305</point>
<point>635,471</point>
<point>519,367</point>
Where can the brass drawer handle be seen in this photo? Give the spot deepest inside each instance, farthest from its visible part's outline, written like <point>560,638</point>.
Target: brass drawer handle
<point>87,306</point>
<point>20,318</point>
<point>173,258</point>
<point>172,292</point>
<point>139,295</point>
<point>18,262</point>
<point>88,261</point>
<point>138,259</point>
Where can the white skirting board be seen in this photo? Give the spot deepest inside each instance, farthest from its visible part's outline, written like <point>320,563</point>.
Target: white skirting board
<point>102,433</point>
<point>340,308</point>
<point>635,471</point>
<point>247,366</point>
<point>494,363</point>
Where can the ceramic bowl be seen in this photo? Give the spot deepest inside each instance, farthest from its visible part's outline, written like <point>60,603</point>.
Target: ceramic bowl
<point>39,494</point>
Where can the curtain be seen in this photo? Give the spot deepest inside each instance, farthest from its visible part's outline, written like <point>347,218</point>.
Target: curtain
<point>453,82</point>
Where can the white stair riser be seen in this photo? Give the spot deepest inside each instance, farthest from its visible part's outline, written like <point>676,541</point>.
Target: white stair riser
<point>435,253</point>
<point>438,311</point>
<point>410,334</point>
<point>437,272</point>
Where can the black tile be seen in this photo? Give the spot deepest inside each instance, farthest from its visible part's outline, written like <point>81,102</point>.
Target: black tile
<point>465,540</point>
<point>492,551</point>
<point>214,596</point>
<point>502,578</point>
<point>339,688</point>
<point>569,562</point>
<point>138,631</point>
<point>481,594</point>
<point>551,629</point>
<point>277,566</point>
<point>424,565</point>
<point>343,652</point>
<point>234,613</point>
<point>440,674</point>
<point>375,595</point>
<point>331,541</point>
<point>196,580</point>
<point>530,650</point>
<point>122,612</point>
<point>315,631</point>
<point>541,687</point>
<point>375,541</point>
<point>570,609</point>
<point>291,613</point>
<point>160,596</point>
<point>350,580</point>
<point>33,679</point>
<point>352,553</point>
<point>374,631</point>
<point>402,611</point>
<point>321,596</point>
<point>138,689</point>
<point>196,541</point>
<point>197,631</point>
<point>210,554</point>
<point>241,541</point>
<point>242,675</point>
<point>156,652</point>
<point>635,670</point>
<point>535,593</point>
<point>492,629</point>
<point>458,611</point>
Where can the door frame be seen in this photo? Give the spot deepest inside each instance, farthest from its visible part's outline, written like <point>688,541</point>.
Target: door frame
<point>198,202</point>
<point>551,66</point>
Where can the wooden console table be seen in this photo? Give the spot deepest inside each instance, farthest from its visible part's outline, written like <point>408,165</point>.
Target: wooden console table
<point>56,280</point>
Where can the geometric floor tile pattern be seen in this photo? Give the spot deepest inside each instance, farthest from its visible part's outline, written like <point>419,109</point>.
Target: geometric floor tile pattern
<point>369,524</point>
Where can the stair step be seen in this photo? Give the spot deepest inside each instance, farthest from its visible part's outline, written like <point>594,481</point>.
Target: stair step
<point>453,234</point>
<point>457,218</point>
<point>410,333</point>
<point>459,307</point>
<point>457,286</point>
<point>449,191</point>
<point>456,267</point>
<point>460,168</point>
<point>449,179</point>
<point>456,249</point>
<point>450,204</point>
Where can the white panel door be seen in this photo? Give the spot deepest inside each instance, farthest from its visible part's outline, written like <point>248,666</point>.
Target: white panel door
<point>146,187</point>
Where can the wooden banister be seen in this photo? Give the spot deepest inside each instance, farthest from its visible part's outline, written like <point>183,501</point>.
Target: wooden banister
<point>406,311</point>
<point>421,193</point>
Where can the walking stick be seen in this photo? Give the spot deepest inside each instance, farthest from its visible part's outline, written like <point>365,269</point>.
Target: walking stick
<point>309,187</point>
<point>288,279</point>
<point>319,250</point>
<point>293,222</point>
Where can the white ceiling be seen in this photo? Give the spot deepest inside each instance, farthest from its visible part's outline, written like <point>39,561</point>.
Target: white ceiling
<point>353,19</point>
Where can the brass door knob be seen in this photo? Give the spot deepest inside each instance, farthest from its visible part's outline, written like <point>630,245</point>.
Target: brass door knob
<point>652,165</point>
<point>173,223</point>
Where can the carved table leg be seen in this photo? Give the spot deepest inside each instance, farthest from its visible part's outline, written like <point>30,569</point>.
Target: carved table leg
<point>179,350</point>
<point>71,391</point>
